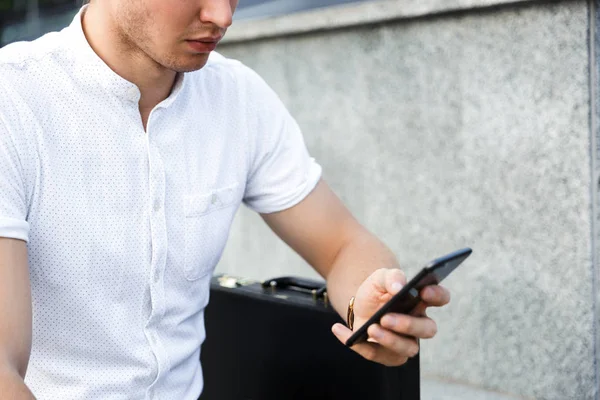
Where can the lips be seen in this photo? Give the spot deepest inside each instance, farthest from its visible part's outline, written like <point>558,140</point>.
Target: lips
<point>207,39</point>
<point>204,45</point>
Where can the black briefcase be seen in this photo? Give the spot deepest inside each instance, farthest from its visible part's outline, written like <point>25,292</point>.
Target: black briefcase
<point>272,341</point>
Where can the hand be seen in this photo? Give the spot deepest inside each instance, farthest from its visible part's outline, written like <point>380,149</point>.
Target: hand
<point>394,341</point>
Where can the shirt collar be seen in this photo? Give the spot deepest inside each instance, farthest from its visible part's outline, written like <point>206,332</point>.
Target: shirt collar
<point>98,73</point>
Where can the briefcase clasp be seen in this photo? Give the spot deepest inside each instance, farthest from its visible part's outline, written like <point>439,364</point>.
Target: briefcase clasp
<point>317,289</point>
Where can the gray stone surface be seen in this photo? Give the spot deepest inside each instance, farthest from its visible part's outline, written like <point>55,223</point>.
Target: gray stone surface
<point>335,17</point>
<point>595,144</point>
<point>432,389</point>
<point>460,130</point>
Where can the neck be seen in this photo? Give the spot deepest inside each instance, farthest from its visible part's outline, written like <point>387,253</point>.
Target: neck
<point>154,81</point>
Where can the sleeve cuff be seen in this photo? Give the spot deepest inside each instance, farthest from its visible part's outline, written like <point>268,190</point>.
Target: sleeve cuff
<point>291,198</point>
<point>14,229</point>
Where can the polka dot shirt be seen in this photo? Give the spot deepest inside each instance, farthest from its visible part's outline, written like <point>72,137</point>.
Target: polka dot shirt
<point>125,225</point>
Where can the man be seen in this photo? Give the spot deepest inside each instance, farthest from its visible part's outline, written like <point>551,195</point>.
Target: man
<point>126,145</point>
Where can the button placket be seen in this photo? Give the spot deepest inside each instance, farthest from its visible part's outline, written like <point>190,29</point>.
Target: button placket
<point>159,254</point>
<point>158,227</point>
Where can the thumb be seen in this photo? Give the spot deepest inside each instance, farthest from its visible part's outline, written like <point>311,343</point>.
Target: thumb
<point>394,280</point>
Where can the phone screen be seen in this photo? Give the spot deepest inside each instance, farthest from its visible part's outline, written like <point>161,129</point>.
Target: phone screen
<point>408,297</point>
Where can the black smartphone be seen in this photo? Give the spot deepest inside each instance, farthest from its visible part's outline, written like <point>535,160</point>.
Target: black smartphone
<point>408,297</point>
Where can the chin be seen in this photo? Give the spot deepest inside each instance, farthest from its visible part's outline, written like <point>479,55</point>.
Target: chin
<point>189,64</point>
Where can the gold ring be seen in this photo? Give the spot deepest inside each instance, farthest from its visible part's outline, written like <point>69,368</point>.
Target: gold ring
<point>350,315</point>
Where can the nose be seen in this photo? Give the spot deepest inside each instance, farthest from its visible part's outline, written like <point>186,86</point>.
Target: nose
<point>217,12</point>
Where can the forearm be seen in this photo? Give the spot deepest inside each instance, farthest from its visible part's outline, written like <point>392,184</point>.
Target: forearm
<point>15,319</point>
<point>12,386</point>
<point>333,242</point>
<point>356,260</point>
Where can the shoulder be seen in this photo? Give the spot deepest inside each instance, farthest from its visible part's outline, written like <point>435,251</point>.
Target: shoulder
<point>27,55</point>
<point>26,69</point>
<point>26,66</point>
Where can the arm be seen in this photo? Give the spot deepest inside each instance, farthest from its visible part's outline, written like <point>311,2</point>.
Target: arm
<point>330,239</point>
<point>355,263</point>
<point>15,319</point>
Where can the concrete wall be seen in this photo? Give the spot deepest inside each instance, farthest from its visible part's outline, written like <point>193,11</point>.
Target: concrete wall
<point>464,127</point>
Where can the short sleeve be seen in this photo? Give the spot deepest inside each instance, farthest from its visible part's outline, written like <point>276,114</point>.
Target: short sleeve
<point>281,171</point>
<point>13,204</point>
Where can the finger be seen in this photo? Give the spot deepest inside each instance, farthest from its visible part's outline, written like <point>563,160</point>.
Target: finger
<point>370,350</point>
<point>375,352</point>
<point>378,279</point>
<point>401,347</point>
<point>435,295</point>
<point>394,280</point>
<point>420,310</point>
<point>418,327</point>
<point>342,332</point>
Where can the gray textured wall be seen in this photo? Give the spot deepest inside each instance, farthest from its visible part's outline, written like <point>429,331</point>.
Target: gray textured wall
<point>466,129</point>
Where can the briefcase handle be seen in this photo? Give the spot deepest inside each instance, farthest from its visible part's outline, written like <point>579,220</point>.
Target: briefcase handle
<point>291,282</point>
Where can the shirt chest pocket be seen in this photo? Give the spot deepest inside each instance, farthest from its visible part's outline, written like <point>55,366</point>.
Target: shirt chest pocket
<point>208,218</point>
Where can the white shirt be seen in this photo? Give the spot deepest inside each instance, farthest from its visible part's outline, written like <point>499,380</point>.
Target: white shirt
<point>125,226</point>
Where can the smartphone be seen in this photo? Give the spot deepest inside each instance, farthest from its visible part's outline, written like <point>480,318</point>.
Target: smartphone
<point>408,297</point>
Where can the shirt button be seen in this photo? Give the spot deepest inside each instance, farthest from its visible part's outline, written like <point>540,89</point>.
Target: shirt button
<point>157,206</point>
<point>133,94</point>
<point>154,338</point>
